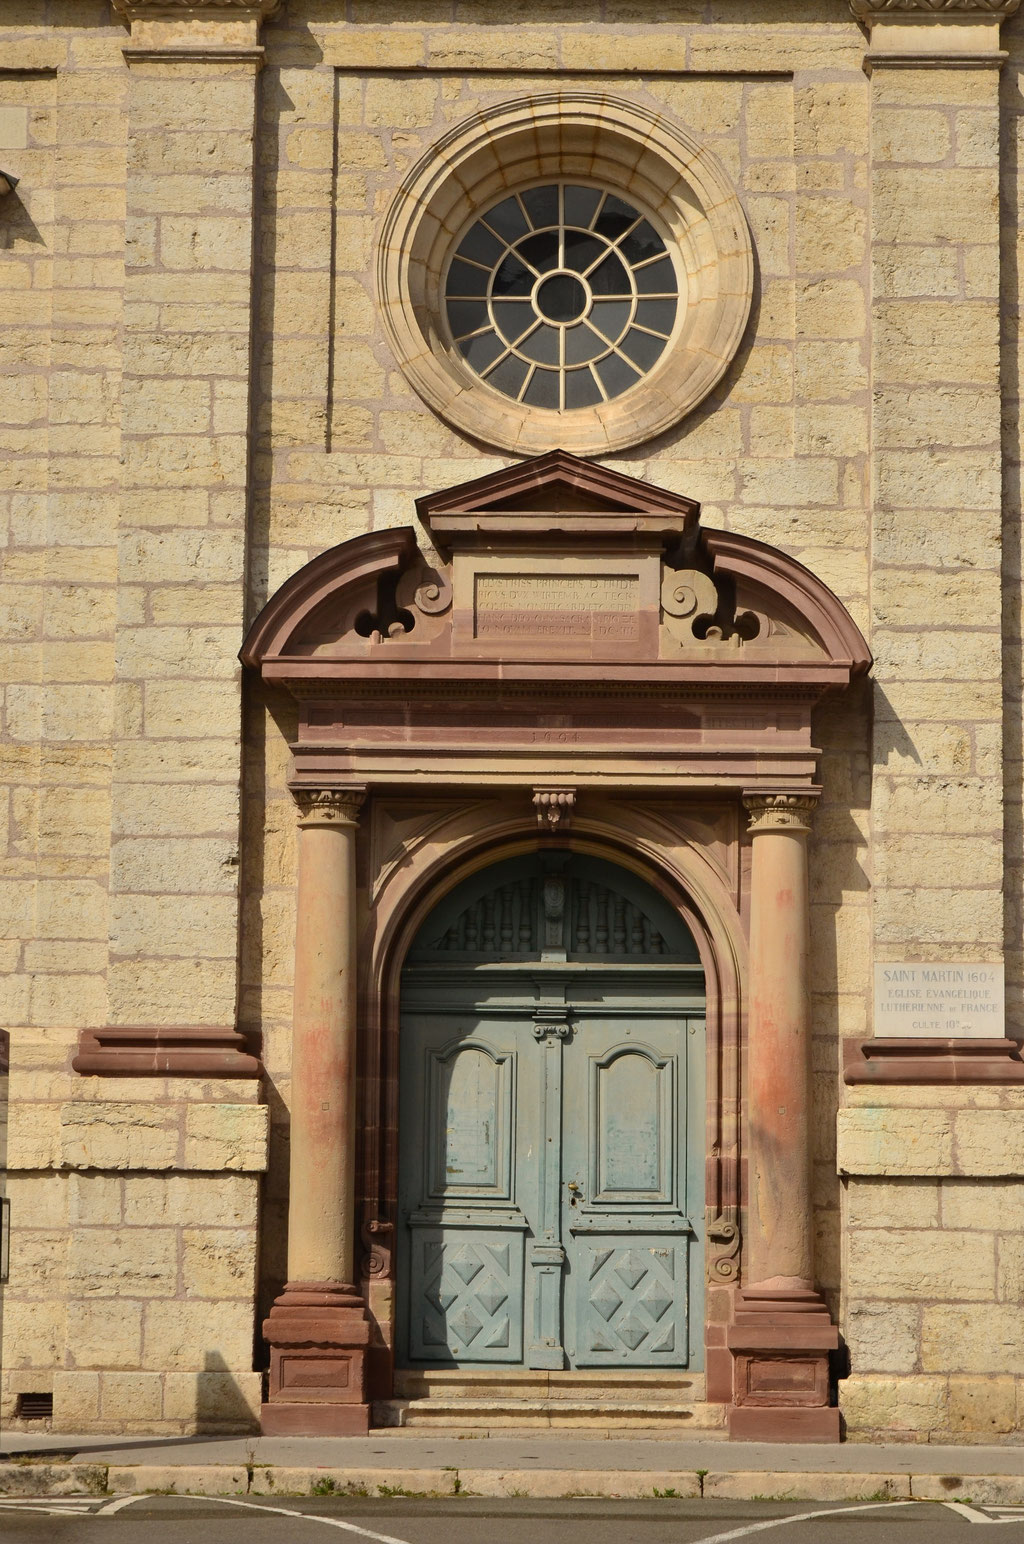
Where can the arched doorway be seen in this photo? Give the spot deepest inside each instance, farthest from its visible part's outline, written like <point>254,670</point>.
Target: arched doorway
<point>586,653</point>
<point>551,1119</point>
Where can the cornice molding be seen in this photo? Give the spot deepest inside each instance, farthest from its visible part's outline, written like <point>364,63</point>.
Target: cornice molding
<point>983,10</point>
<point>169,10</point>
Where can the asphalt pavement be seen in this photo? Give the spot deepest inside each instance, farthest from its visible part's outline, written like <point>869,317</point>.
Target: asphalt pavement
<point>665,1520</point>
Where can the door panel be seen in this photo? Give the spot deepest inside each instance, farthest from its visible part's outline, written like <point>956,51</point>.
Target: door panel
<point>462,1227</point>
<point>631,1301</point>
<point>551,1080</point>
<point>467,1295</point>
<point>632,1194</point>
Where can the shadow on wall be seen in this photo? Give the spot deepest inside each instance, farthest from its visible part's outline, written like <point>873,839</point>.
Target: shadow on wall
<point>221,1406</point>
<point>5,1063</point>
<point>840,896</point>
<point>1012,556</point>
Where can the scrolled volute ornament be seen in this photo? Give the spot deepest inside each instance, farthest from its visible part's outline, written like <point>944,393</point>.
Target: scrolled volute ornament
<point>723,1233</point>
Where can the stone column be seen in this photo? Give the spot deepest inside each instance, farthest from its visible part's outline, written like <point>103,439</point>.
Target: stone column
<point>782,1332</point>
<point>318,1329</point>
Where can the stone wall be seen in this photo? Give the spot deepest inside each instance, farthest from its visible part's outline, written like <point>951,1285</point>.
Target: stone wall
<point>198,396</point>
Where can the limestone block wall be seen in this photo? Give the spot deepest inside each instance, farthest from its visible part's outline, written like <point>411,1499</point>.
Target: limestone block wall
<point>133,1265</point>
<point>934,1267</point>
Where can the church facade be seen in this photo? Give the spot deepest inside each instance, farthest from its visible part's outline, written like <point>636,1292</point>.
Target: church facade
<point>512,681</point>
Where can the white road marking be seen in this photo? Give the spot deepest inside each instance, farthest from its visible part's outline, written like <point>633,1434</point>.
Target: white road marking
<point>1005,1514</point>
<point>799,1517</point>
<point>68,1506</point>
<point>281,1511</point>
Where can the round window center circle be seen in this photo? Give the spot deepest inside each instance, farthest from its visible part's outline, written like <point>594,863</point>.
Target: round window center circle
<point>561,298</point>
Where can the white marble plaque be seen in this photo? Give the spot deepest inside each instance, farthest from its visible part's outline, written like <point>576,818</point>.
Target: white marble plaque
<point>962,1002</point>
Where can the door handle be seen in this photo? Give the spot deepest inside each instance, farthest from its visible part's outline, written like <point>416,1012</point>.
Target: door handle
<point>575,1192</point>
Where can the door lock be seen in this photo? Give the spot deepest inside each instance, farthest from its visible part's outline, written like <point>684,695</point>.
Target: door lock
<point>575,1192</point>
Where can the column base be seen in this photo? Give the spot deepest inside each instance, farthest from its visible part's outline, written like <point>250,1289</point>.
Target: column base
<point>286,1420</point>
<point>748,1423</point>
<point>318,1333</point>
<point>780,1339</point>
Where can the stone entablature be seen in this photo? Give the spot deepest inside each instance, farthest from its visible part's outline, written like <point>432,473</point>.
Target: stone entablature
<point>573,587</point>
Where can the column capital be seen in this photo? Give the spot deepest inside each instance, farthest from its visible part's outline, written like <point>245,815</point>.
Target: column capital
<point>933,34</point>
<point>869,10</point>
<point>329,806</point>
<point>781,810</point>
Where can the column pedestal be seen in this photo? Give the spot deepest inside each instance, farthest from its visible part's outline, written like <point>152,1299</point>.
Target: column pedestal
<point>780,1340</point>
<point>781,1332</point>
<point>318,1333</point>
<point>318,1330</point>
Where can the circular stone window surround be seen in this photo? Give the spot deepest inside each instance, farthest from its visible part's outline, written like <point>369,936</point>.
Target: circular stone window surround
<point>601,140</point>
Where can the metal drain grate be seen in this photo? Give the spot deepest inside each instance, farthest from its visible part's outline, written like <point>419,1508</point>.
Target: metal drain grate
<point>34,1407</point>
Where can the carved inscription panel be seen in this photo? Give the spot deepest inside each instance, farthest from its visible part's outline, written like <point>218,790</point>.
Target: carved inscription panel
<point>591,608</point>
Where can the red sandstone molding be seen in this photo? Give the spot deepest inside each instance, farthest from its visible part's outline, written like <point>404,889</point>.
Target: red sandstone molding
<point>190,1052</point>
<point>932,1061</point>
<point>347,575</point>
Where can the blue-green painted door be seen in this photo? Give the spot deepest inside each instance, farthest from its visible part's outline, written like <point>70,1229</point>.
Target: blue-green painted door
<point>551,1125</point>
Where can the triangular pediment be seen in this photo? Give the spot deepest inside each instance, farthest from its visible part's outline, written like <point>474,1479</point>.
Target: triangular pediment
<point>557,492</point>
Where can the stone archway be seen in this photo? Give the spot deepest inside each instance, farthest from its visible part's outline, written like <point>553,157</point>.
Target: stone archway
<point>585,651</point>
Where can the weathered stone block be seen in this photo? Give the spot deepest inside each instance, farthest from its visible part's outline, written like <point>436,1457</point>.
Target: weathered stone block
<point>105,1134</point>
<point>883,1337</point>
<point>911,1406</point>
<point>127,1262</point>
<point>921,1265</point>
<point>967,1339</point>
<point>893,1142</point>
<point>105,1333</point>
<point>76,1400</point>
<point>187,1337</point>
<point>226,1137</point>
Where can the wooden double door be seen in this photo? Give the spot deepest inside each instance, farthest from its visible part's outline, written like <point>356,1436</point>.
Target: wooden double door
<point>552,1122</point>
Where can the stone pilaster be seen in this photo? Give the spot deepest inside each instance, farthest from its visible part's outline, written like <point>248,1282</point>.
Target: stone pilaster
<point>193,71</point>
<point>935,446</point>
<point>782,1333</point>
<point>318,1329</point>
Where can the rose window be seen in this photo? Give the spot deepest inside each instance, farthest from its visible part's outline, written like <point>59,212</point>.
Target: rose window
<point>561,296</point>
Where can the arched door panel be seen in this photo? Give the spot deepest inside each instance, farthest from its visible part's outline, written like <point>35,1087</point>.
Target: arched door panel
<point>551,1125</point>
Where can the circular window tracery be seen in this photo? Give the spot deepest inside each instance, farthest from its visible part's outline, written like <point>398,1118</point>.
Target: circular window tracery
<point>600,144</point>
<point>561,296</point>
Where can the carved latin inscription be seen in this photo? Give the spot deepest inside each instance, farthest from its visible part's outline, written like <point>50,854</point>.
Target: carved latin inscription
<point>601,608</point>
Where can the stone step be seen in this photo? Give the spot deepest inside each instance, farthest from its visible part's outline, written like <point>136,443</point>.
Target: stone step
<point>498,1415</point>
<point>514,1384</point>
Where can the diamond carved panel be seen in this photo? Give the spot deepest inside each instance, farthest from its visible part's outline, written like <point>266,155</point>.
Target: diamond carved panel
<point>469,1290</point>
<point>633,1304</point>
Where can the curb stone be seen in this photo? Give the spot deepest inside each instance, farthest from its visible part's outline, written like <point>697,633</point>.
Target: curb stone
<point>183,1479</point>
<point>630,1484</point>
<point>52,1479</point>
<point>985,1489</point>
<point>273,1480</point>
<point>789,1485</point>
<point>66,1479</point>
